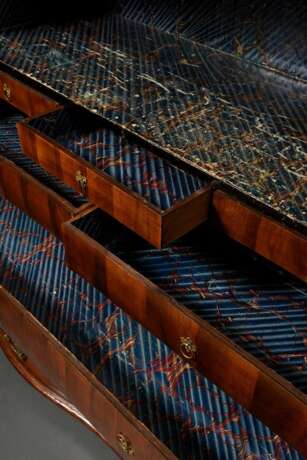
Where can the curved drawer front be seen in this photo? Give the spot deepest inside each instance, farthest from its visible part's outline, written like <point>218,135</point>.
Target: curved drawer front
<point>141,189</point>
<point>185,411</point>
<point>194,294</point>
<point>28,186</point>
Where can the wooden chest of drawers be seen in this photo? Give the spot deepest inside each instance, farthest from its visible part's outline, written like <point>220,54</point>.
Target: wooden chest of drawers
<point>169,291</point>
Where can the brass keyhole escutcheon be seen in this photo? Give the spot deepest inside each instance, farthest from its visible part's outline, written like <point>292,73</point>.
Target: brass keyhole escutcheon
<point>187,347</point>
<point>125,444</point>
<point>6,91</point>
<point>20,354</point>
<point>81,181</point>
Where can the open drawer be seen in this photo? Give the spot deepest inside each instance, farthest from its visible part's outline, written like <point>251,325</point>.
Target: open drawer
<point>230,316</point>
<point>28,186</point>
<point>142,190</point>
<point>86,354</point>
<point>24,98</point>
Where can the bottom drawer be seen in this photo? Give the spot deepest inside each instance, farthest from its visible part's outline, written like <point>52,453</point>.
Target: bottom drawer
<point>130,388</point>
<point>54,371</point>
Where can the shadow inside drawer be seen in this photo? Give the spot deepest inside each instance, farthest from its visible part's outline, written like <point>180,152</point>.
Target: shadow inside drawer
<point>151,176</point>
<point>255,304</point>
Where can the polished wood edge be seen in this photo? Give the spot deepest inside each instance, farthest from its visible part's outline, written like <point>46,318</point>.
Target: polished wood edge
<point>222,353</point>
<point>21,366</point>
<point>275,241</point>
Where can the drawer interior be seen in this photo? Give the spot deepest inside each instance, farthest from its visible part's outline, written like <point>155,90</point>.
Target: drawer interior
<point>187,412</point>
<point>136,167</point>
<point>11,149</point>
<point>258,306</point>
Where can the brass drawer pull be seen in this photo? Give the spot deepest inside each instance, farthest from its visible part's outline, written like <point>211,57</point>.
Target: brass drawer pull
<point>125,444</point>
<point>187,347</point>
<point>20,355</point>
<point>6,91</point>
<point>81,181</point>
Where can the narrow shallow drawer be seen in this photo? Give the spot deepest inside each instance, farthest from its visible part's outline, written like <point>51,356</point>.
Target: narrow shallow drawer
<point>142,190</point>
<point>185,411</point>
<point>214,305</point>
<point>24,98</point>
<point>27,185</point>
<point>55,372</point>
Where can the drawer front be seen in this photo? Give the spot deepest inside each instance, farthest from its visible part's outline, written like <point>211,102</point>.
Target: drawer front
<point>159,227</point>
<point>250,382</point>
<point>23,97</point>
<point>272,240</point>
<point>46,364</point>
<point>42,204</point>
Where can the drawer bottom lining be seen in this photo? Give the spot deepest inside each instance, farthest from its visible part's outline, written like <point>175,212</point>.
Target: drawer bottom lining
<point>256,305</point>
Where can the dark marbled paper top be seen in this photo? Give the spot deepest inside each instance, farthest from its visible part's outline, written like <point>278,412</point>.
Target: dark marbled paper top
<point>236,121</point>
<point>271,33</point>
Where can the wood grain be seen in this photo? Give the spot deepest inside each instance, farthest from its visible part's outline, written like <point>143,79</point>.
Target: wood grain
<point>23,97</point>
<point>267,237</point>
<point>31,196</point>
<point>238,373</point>
<point>56,373</point>
<point>154,225</point>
